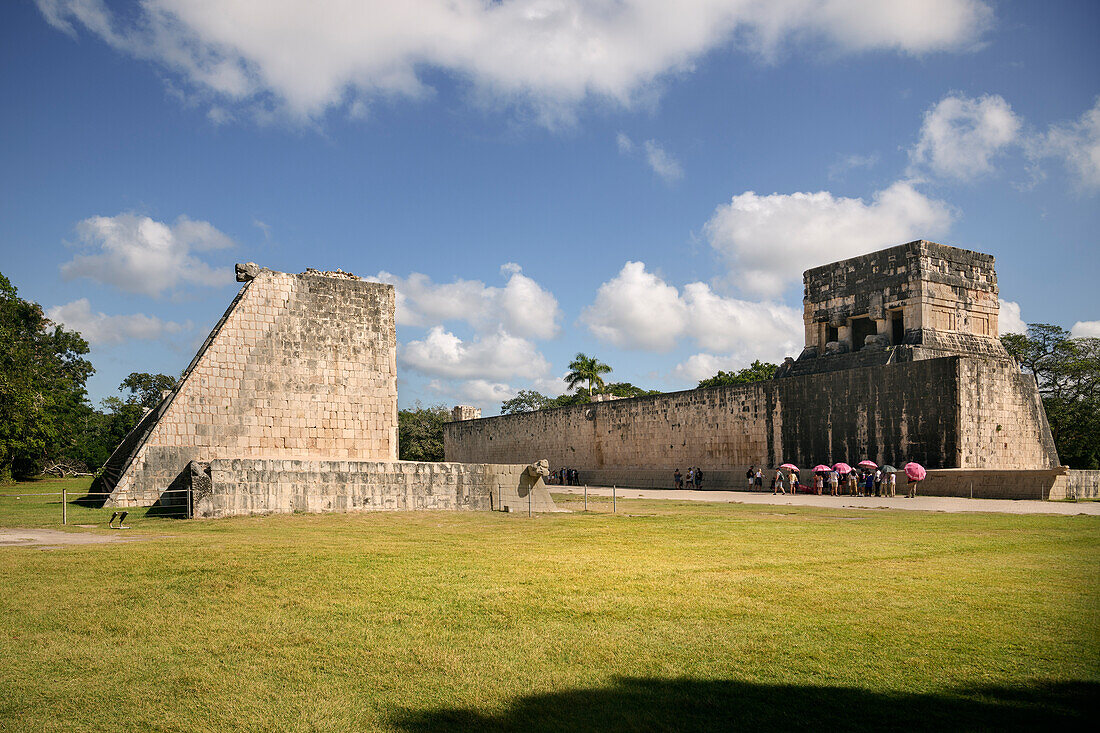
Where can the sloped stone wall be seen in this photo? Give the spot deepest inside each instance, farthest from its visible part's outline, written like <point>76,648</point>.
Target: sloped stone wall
<point>300,367</point>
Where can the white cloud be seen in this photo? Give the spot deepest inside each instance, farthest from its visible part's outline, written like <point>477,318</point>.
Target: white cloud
<point>100,329</point>
<point>961,135</point>
<point>478,392</point>
<point>521,307</point>
<point>494,356</point>
<point>1085,329</point>
<point>701,366</point>
<point>750,330</point>
<point>1078,144</point>
<point>768,241</point>
<point>139,255</point>
<point>624,143</point>
<point>302,59</point>
<point>1009,319</point>
<point>852,162</point>
<point>636,310</point>
<point>663,164</point>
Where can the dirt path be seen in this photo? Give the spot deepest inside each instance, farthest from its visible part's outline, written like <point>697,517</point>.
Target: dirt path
<point>921,503</point>
<point>53,539</point>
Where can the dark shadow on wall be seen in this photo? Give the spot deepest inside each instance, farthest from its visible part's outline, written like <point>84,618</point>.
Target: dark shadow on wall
<point>633,704</point>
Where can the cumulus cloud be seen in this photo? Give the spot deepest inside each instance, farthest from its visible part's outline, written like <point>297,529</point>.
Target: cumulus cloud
<point>140,255</point>
<point>1077,143</point>
<point>496,356</point>
<point>960,136</point>
<point>1009,319</point>
<point>638,310</point>
<point>478,392</point>
<point>662,163</point>
<point>624,143</point>
<point>522,307</point>
<point>1085,329</point>
<point>302,60</point>
<point>768,241</point>
<point>100,329</point>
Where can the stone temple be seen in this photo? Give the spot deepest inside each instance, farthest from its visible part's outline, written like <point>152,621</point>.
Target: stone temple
<point>291,405</point>
<point>902,363</point>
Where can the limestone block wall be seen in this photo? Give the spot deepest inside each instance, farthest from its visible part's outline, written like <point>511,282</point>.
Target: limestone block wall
<point>300,367</point>
<point>262,486</point>
<point>1002,424</point>
<point>890,413</point>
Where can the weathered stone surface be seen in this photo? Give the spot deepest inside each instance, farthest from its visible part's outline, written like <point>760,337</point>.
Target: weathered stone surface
<point>264,486</point>
<point>299,367</point>
<point>247,271</point>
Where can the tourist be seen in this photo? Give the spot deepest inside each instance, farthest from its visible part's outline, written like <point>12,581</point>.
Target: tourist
<point>751,476</point>
<point>834,479</point>
<point>759,480</point>
<point>777,483</point>
<point>869,485</point>
<point>678,479</point>
<point>853,483</point>
<point>794,482</point>
<point>912,488</point>
<point>698,478</point>
<point>691,477</point>
<point>892,482</point>
<point>818,483</point>
<point>878,482</point>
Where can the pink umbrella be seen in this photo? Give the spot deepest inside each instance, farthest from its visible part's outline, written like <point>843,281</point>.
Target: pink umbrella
<point>789,467</point>
<point>820,468</point>
<point>867,464</point>
<point>915,471</point>
<point>842,468</point>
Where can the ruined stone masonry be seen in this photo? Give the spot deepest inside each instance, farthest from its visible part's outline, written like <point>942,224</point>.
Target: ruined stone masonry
<point>902,362</point>
<point>300,372</point>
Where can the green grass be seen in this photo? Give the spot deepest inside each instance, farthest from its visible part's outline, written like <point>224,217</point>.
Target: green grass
<point>665,616</point>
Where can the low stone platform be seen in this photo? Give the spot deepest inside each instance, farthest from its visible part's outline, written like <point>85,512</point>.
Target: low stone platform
<point>233,487</point>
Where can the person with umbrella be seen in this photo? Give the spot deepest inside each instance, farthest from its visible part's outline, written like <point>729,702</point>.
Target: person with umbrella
<point>792,475</point>
<point>868,478</point>
<point>889,481</point>
<point>844,472</point>
<point>915,473</point>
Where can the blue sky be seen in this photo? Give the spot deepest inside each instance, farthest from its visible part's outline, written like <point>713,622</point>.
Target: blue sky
<point>642,181</point>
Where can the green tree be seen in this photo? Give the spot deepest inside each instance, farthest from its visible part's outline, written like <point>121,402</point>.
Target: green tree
<point>586,369</point>
<point>146,389</point>
<point>758,371</point>
<point>626,389</point>
<point>1067,372</point>
<point>526,400</point>
<point>420,432</point>
<point>42,378</point>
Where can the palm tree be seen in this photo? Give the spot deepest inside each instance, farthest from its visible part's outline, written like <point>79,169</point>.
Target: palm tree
<point>586,369</point>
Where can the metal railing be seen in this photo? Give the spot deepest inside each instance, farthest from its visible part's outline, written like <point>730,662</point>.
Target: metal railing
<point>184,509</point>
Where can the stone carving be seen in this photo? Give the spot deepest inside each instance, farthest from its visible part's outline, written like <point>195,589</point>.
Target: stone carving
<point>836,347</point>
<point>538,469</point>
<point>247,271</point>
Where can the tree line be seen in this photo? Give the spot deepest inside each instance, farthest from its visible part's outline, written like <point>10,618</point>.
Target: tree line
<point>46,418</point>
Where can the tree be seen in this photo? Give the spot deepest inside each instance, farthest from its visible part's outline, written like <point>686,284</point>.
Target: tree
<point>42,378</point>
<point>758,371</point>
<point>1066,371</point>
<point>420,432</point>
<point>526,400</point>
<point>626,389</point>
<point>146,389</point>
<point>586,369</point>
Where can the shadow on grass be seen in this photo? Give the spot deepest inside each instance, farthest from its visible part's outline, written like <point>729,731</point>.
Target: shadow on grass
<point>633,704</point>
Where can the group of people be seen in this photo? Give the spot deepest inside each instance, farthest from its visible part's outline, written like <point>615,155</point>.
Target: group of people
<point>858,482</point>
<point>567,477</point>
<point>694,478</point>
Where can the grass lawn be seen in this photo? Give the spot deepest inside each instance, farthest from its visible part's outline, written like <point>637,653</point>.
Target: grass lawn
<point>665,616</point>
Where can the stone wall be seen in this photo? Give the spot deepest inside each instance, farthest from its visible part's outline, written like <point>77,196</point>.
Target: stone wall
<point>262,486</point>
<point>1080,485</point>
<point>934,411</point>
<point>300,367</point>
